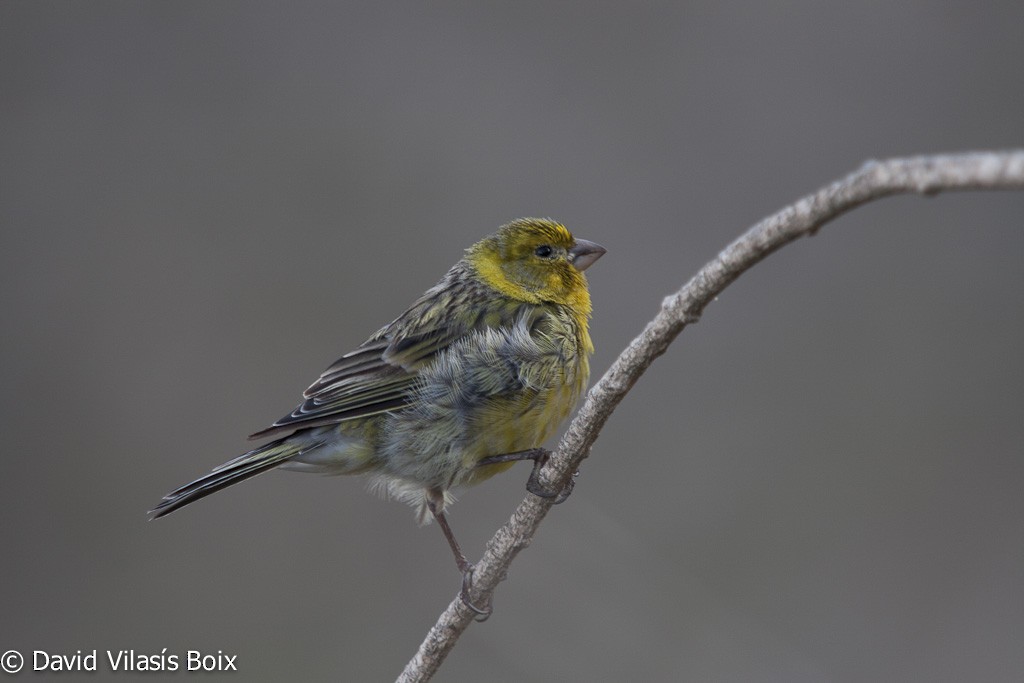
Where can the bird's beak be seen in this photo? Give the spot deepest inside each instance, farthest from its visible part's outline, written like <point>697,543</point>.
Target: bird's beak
<point>584,253</point>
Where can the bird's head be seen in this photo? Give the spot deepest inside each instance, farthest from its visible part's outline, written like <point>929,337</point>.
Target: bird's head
<point>536,260</point>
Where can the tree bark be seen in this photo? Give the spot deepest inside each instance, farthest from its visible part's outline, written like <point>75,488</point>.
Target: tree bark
<point>926,175</point>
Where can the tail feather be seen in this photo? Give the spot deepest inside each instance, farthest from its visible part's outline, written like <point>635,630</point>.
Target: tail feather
<point>250,464</point>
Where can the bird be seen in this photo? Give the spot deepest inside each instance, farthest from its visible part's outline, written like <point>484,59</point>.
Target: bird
<point>475,375</point>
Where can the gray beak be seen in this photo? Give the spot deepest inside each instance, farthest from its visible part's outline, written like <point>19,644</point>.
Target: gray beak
<point>585,253</point>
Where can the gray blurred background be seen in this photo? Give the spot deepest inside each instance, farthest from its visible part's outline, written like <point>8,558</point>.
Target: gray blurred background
<point>204,204</point>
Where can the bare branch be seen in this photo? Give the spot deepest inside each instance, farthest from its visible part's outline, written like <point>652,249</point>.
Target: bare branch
<point>925,175</point>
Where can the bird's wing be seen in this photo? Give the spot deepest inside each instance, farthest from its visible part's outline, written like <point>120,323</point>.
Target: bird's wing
<point>377,376</point>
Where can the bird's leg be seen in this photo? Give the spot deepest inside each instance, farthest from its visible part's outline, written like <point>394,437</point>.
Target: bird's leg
<point>460,559</point>
<point>539,456</point>
<point>465,566</point>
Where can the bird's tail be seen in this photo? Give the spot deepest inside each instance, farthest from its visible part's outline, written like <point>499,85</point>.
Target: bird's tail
<point>250,464</point>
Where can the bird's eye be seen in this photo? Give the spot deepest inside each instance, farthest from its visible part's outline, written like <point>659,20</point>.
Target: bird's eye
<point>544,251</point>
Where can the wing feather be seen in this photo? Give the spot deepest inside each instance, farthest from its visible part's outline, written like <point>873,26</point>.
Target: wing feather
<point>378,376</point>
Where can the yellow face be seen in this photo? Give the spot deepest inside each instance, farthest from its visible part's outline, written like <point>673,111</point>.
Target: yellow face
<point>536,260</point>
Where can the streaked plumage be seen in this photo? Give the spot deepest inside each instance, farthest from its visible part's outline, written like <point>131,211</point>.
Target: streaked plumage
<point>487,362</point>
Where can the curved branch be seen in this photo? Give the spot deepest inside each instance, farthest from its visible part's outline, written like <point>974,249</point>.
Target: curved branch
<point>924,175</point>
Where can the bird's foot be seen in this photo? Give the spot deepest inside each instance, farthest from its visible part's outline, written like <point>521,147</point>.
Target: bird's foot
<point>533,484</point>
<point>482,614</point>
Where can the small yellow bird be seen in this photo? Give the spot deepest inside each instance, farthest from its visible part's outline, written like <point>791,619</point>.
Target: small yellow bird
<point>474,376</point>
